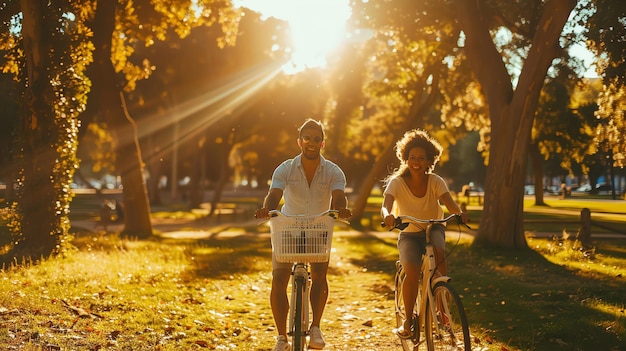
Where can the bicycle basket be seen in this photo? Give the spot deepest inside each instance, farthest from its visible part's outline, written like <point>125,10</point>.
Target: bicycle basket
<point>302,239</point>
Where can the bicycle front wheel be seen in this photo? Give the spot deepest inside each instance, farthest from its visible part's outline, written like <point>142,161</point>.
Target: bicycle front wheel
<point>299,334</point>
<point>446,324</point>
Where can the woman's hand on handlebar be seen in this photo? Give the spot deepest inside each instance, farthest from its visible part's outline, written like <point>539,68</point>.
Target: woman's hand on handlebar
<point>464,217</point>
<point>389,221</point>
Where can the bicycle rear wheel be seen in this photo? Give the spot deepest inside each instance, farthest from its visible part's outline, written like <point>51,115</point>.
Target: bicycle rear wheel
<point>447,329</point>
<point>299,329</point>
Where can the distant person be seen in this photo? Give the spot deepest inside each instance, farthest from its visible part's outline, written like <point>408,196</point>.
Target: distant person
<point>119,211</point>
<point>465,190</point>
<point>105,215</point>
<point>310,185</point>
<point>414,190</point>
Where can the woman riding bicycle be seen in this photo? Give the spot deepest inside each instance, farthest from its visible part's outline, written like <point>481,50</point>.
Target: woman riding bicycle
<point>414,190</point>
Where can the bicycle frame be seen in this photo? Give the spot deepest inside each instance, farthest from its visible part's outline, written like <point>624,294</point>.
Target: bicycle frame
<point>428,270</point>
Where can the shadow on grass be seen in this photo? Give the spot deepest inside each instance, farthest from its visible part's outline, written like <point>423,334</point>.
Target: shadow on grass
<point>613,250</point>
<point>220,258</point>
<point>521,298</point>
<point>516,297</point>
<point>373,253</point>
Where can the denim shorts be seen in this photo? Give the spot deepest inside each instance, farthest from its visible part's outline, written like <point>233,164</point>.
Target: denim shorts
<point>411,245</point>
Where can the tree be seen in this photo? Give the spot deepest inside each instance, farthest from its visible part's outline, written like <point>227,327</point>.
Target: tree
<point>605,31</point>
<point>511,110</point>
<point>561,124</point>
<point>611,131</point>
<point>116,31</point>
<point>47,47</point>
<point>509,47</point>
<point>209,100</point>
<point>403,80</point>
<point>44,50</point>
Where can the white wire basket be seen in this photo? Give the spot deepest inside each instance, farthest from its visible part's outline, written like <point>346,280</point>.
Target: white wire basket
<point>302,239</point>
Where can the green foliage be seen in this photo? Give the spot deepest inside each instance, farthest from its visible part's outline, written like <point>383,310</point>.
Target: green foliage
<point>611,131</point>
<point>145,23</point>
<point>66,41</point>
<point>563,122</point>
<point>606,29</point>
<point>49,73</point>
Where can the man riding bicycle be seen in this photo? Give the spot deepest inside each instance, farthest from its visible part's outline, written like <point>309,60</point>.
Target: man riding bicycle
<point>310,185</point>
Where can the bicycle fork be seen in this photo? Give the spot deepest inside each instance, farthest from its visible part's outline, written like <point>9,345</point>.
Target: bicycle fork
<point>299,306</point>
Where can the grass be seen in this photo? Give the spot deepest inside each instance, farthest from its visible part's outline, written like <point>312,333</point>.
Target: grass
<point>552,298</point>
<point>212,294</point>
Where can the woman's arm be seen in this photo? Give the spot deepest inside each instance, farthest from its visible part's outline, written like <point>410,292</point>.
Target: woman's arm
<point>452,206</point>
<point>385,211</point>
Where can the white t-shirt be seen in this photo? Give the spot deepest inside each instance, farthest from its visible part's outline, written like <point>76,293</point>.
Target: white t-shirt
<point>426,207</point>
<point>300,198</point>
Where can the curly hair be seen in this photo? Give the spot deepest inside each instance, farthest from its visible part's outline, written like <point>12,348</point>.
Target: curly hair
<point>412,139</point>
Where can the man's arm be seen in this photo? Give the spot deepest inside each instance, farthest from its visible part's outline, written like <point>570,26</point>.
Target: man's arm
<point>271,201</point>
<point>339,202</point>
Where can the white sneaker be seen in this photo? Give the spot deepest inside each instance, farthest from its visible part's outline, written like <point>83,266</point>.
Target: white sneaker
<point>282,344</point>
<point>316,340</point>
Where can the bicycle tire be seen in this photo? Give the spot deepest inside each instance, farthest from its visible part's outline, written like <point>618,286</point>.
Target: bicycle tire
<point>447,329</point>
<point>299,335</point>
<point>407,344</point>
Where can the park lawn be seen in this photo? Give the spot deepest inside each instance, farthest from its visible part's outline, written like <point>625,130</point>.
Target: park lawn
<point>602,206</point>
<point>164,294</point>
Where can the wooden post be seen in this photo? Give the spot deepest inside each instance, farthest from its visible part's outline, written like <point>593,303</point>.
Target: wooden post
<point>585,227</point>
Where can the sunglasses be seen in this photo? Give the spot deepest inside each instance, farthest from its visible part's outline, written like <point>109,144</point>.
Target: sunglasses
<point>308,139</point>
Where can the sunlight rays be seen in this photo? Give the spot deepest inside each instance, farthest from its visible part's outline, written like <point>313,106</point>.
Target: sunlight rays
<point>197,114</point>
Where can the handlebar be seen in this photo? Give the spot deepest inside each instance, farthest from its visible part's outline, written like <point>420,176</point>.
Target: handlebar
<point>331,213</point>
<point>403,221</point>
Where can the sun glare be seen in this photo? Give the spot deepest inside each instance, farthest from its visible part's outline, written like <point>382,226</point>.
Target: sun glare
<point>317,27</point>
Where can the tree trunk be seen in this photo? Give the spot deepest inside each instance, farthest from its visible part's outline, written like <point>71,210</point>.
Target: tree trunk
<point>511,115</point>
<point>584,232</point>
<point>107,99</point>
<point>154,166</point>
<point>222,163</point>
<point>422,101</point>
<point>376,173</point>
<point>537,163</point>
<point>40,225</point>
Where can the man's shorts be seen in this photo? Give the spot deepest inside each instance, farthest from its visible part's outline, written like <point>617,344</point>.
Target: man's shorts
<point>287,265</point>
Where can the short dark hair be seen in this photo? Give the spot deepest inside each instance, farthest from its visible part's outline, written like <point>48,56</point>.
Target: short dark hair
<point>310,123</point>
